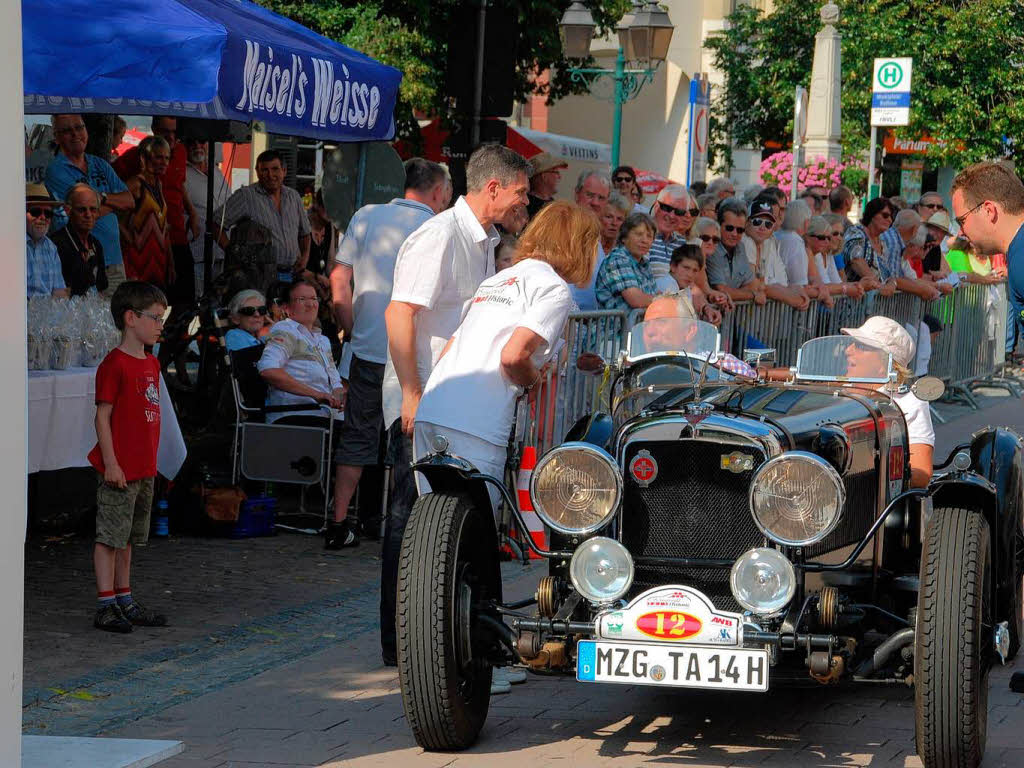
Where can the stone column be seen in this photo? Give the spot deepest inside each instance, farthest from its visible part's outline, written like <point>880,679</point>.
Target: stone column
<point>823,112</point>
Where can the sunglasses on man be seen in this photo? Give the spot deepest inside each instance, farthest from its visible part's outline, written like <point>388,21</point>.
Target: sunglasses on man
<point>250,311</point>
<point>762,223</point>
<point>731,228</point>
<point>37,210</point>
<point>678,211</point>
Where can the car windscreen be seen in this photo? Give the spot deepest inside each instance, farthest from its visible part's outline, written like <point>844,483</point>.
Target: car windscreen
<point>669,380</point>
<point>672,336</point>
<point>842,358</point>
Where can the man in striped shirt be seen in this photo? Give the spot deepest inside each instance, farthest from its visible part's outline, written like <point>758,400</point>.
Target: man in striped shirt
<point>275,207</point>
<point>674,204</point>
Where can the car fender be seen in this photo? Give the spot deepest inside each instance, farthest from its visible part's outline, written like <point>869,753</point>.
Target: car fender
<point>997,454</point>
<point>454,477</point>
<point>992,487</point>
<point>595,429</point>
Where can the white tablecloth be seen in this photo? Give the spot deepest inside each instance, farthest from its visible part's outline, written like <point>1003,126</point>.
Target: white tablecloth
<point>61,422</point>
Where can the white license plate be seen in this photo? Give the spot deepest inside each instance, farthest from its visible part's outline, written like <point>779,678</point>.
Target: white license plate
<point>741,669</point>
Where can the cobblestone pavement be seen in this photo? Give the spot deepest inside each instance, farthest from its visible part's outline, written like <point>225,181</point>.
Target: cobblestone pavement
<point>272,659</point>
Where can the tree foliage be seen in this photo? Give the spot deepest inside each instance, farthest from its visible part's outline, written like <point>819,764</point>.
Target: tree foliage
<point>968,80</point>
<point>412,35</point>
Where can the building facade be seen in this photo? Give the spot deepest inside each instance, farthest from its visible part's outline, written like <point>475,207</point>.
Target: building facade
<point>655,125</point>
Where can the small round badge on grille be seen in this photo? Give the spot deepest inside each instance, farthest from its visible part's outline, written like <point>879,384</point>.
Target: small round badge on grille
<point>657,673</point>
<point>643,468</point>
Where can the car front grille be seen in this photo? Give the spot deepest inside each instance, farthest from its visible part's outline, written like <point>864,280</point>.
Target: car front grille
<point>692,508</point>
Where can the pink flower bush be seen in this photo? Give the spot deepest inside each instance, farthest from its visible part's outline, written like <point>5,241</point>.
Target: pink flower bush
<point>777,170</point>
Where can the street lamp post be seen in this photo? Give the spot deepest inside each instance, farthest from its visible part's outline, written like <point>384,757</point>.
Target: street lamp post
<point>644,33</point>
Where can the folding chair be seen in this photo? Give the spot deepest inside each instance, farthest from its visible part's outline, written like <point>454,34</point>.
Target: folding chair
<point>274,452</point>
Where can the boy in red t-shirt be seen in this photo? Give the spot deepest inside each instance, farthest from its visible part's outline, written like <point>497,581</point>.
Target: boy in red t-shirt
<point>128,430</point>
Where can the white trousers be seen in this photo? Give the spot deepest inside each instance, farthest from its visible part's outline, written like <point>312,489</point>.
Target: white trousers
<point>486,457</point>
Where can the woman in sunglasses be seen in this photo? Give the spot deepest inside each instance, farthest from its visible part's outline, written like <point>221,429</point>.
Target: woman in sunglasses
<point>862,246</point>
<point>247,310</point>
<point>818,241</point>
<point>707,234</point>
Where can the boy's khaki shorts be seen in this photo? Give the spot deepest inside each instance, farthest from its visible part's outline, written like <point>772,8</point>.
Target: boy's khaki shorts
<point>122,514</point>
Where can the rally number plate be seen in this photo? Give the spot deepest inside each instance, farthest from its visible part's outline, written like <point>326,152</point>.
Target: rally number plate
<point>741,669</point>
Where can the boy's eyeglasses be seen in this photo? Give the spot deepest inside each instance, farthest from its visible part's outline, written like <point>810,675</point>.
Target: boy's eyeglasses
<point>155,318</point>
<point>250,311</point>
<point>37,210</point>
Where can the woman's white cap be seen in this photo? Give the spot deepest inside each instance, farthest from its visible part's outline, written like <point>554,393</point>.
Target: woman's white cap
<point>885,334</point>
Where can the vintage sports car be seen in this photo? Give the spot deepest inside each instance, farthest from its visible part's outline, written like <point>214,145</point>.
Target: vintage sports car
<point>721,532</point>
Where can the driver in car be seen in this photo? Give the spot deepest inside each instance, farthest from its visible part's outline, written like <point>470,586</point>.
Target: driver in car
<point>661,334</point>
<point>863,361</point>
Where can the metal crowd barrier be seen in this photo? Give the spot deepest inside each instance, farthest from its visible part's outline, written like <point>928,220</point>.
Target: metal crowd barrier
<point>971,349</point>
<point>565,394</point>
<point>968,352</point>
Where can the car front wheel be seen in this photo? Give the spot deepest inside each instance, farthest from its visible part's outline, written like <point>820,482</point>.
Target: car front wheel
<point>952,654</point>
<point>448,560</point>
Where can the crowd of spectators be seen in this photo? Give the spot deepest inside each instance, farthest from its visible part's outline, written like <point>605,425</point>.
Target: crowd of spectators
<point>417,286</point>
<point>759,246</point>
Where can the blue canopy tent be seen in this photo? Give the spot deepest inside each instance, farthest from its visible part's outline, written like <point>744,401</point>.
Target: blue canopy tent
<point>213,59</point>
<point>218,59</point>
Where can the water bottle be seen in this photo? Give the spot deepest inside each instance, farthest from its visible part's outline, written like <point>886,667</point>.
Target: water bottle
<point>161,519</point>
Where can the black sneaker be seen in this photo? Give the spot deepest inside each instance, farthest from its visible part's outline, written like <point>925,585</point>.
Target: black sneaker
<point>340,535</point>
<point>110,619</point>
<point>143,617</point>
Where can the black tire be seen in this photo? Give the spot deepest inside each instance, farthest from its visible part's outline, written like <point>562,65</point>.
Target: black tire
<point>952,654</point>
<point>448,557</point>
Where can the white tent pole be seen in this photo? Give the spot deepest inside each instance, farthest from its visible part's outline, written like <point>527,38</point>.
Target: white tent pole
<point>13,395</point>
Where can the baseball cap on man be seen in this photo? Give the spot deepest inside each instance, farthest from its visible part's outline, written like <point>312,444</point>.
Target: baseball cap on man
<point>939,220</point>
<point>762,208</point>
<point>887,335</point>
<point>544,162</point>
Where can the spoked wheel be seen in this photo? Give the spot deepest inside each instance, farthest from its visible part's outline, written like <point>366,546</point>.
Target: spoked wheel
<point>953,643</point>
<point>448,567</point>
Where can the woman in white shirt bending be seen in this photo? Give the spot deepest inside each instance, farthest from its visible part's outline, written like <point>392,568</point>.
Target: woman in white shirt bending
<point>512,329</point>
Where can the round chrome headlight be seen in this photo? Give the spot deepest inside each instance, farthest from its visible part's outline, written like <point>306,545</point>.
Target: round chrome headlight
<point>762,581</point>
<point>601,569</point>
<point>796,499</point>
<point>576,488</point>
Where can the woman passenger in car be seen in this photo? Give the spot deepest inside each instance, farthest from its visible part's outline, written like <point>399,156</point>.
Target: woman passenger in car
<point>891,337</point>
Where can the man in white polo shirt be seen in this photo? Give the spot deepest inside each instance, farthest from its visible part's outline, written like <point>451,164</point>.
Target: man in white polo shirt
<point>438,270</point>
<point>361,289</point>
